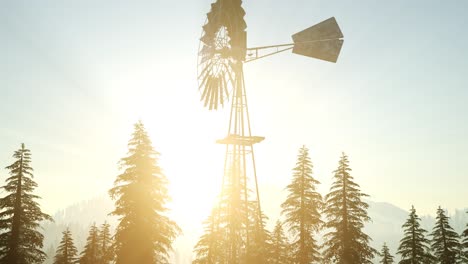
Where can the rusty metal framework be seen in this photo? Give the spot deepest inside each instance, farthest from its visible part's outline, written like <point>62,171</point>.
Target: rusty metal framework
<point>222,54</point>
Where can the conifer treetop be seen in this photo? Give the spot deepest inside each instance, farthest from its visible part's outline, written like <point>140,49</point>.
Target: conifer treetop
<point>66,251</point>
<point>302,208</point>
<point>279,245</point>
<point>208,248</point>
<point>445,241</point>
<point>386,257</point>
<point>465,237</point>
<point>140,193</point>
<point>346,214</point>
<point>464,245</point>
<point>91,252</point>
<point>414,246</point>
<point>20,214</point>
<point>105,244</point>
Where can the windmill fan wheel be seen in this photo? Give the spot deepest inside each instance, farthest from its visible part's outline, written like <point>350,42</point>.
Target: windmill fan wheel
<point>222,49</point>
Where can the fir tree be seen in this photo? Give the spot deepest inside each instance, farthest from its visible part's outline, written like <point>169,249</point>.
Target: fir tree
<point>91,253</point>
<point>208,249</point>
<point>387,258</point>
<point>225,239</point>
<point>144,234</point>
<point>20,215</point>
<point>211,248</point>
<point>66,252</point>
<point>462,256</point>
<point>302,210</point>
<point>259,237</point>
<point>279,246</point>
<point>233,219</point>
<point>346,214</point>
<point>414,248</point>
<point>445,241</point>
<point>105,245</point>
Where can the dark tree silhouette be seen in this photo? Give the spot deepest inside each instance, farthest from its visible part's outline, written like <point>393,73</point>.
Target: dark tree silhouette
<point>144,234</point>
<point>346,214</point>
<point>302,210</point>
<point>387,258</point>
<point>105,244</point>
<point>20,216</point>
<point>445,241</point>
<point>66,252</point>
<point>91,253</point>
<point>414,247</point>
<point>464,244</point>
<point>279,246</point>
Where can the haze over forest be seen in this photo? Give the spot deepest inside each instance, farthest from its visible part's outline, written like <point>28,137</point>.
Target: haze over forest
<point>385,227</point>
<point>98,97</point>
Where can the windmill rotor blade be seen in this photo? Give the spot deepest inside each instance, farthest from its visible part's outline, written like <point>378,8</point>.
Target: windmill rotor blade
<point>327,50</point>
<point>206,51</point>
<point>203,83</point>
<point>225,86</point>
<point>324,30</point>
<point>206,39</point>
<point>221,90</point>
<point>213,91</point>
<point>216,92</point>
<point>205,93</point>
<point>229,72</point>
<point>208,92</point>
<point>205,70</point>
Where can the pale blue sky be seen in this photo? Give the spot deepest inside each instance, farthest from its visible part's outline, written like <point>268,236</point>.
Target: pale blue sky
<point>75,76</point>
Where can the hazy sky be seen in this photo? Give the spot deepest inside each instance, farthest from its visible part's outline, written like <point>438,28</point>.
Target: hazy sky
<point>75,76</point>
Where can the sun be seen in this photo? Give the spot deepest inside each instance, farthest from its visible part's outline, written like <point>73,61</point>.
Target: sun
<point>190,159</point>
<point>183,132</point>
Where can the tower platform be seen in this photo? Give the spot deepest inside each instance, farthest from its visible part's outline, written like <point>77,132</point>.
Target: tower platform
<point>240,140</point>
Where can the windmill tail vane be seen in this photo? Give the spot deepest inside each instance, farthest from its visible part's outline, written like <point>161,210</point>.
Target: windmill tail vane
<point>322,41</point>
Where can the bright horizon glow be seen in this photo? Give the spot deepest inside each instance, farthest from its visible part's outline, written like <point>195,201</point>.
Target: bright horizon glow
<point>85,72</point>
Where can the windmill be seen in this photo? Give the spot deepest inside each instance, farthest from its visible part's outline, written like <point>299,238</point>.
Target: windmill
<point>222,54</point>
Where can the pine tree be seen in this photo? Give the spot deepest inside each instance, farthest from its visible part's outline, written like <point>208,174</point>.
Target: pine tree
<point>463,250</point>
<point>20,214</point>
<point>445,241</point>
<point>302,210</point>
<point>279,246</point>
<point>208,249</point>
<point>387,258</point>
<point>225,240</point>
<point>414,248</point>
<point>105,245</point>
<point>233,218</point>
<point>346,214</point>
<point>91,253</point>
<point>144,234</point>
<point>66,252</point>
<point>259,237</point>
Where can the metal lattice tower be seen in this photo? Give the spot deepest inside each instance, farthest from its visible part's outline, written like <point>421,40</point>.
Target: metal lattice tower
<point>222,55</point>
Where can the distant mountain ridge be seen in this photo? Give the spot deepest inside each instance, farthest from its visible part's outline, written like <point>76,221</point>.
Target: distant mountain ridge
<point>387,220</point>
<point>78,217</point>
